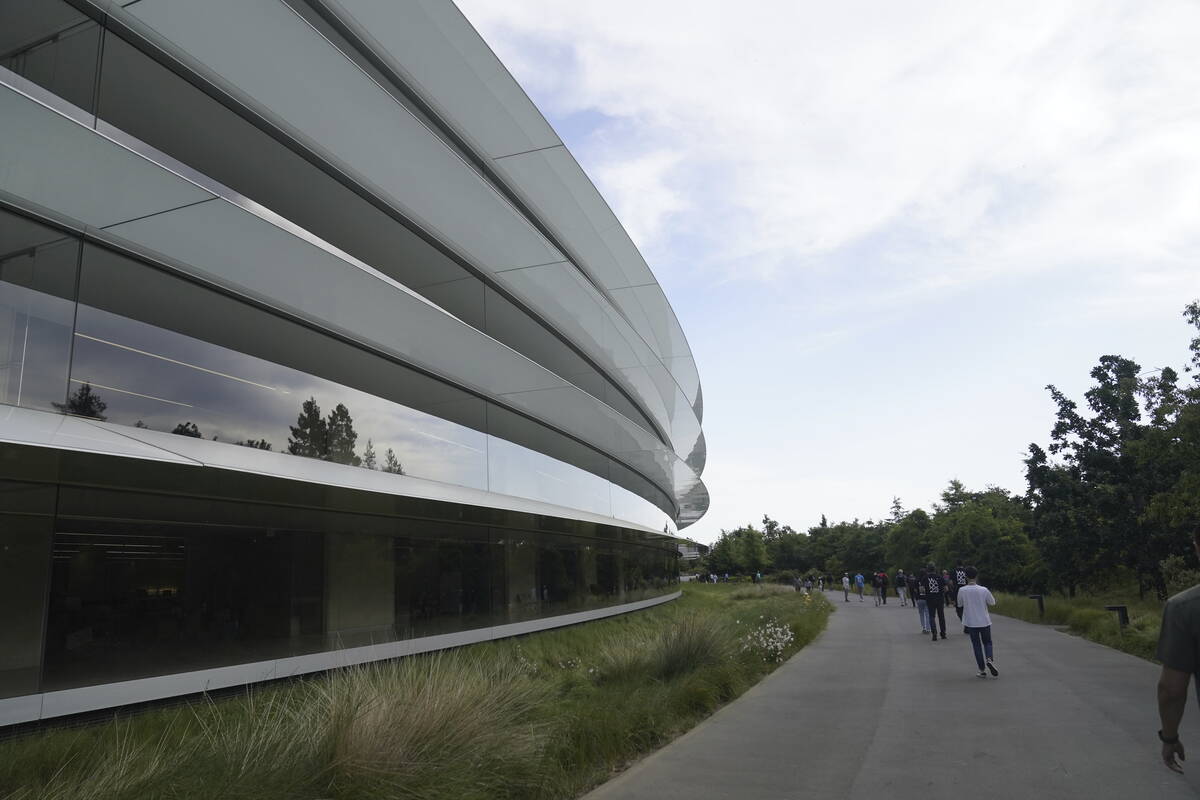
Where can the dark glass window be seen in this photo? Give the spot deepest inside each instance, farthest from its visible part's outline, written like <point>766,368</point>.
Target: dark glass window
<point>24,569</point>
<point>37,309</point>
<point>129,600</point>
<point>51,44</point>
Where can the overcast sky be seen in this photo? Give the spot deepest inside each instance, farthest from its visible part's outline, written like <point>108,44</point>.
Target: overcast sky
<point>885,227</point>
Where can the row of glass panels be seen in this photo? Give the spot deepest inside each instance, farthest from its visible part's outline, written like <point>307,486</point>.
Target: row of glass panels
<point>101,72</point>
<point>100,586</point>
<point>86,331</point>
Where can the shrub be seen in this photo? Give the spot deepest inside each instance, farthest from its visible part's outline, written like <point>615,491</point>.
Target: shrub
<point>759,590</point>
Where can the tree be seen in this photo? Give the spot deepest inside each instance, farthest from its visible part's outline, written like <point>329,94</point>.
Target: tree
<point>187,429</point>
<point>368,459</point>
<point>907,544</point>
<point>986,530</point>
<point>310,434</point>
<point>84,403</point>
<point>340,428</point>
<point>391,463</point>
<point>257,444</point>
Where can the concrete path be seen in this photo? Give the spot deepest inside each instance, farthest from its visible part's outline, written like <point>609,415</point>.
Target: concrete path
<point>874,709</point>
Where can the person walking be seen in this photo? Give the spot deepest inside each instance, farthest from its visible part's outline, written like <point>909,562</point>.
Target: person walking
<point>918,594</point>
<point>973,600</point>
<point>875,587</point>
<point>846,585</point>
<point>883,586</point>
<point>959,580</point>
<point>901,587</point>
<point>935,600</point>
<point>859,582</point>
<point>1179,652</point>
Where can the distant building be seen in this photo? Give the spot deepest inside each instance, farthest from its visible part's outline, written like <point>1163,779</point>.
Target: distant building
<point>316,347</point>
<point>690,552</point>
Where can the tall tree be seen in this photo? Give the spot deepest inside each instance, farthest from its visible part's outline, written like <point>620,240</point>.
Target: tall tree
<point>368,459</point>
<point>391,463</point>
<point>84,403</point>
<point>340,428</point>
<point>310,434</point>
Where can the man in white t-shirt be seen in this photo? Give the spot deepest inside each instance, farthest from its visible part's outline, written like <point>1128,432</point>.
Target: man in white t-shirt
<point>974,599</point>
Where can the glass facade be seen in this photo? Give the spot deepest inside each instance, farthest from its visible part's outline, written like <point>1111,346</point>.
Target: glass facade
<point>88,331</point>
<point>144,300</point>
<point>130,585</point>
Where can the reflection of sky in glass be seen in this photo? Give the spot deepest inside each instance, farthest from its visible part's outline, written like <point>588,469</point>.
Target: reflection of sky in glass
<point>161,379</point>
<point>35,344</point>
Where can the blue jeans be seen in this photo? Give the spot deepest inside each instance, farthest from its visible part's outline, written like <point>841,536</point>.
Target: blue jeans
<point>981,643</point>
<point>923,613</point>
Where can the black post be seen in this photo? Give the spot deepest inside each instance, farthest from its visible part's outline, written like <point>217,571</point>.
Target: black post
<point>1041,604</point>
<point>1122,614</point>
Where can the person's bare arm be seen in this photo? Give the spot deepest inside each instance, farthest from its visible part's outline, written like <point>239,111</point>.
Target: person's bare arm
<point>1172,699</point>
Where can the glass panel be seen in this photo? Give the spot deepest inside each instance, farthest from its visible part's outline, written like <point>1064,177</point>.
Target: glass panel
<point>148,101</point>
<point>129,600</point>
<point>37,309</point>
<point>137,374</point>
<point>521,472</point>
<point>148,376</point>
<point>59,164</point>
<point>443,579</point>
<point>24,569</point>
<point>51,44</point>
<point>212,582</point>
<point>261,47</point>
<point>473,86</point>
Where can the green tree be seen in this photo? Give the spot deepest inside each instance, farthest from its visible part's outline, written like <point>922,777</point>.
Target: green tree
<point>341,437</point>
<point>310,434</point>
<point>368,459</point>
<point>907,544</point>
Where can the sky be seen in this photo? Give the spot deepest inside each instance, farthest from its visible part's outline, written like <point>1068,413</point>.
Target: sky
<point>884,227</point>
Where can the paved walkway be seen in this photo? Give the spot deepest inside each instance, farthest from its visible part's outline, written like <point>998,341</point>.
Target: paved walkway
<point>873,709</point>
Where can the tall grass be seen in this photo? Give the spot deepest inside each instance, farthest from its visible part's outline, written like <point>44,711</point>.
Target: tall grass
<point>1085,615</point>
<point>545,716</point>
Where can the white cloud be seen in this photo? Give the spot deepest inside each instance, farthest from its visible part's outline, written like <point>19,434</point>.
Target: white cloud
<point>997,137</point>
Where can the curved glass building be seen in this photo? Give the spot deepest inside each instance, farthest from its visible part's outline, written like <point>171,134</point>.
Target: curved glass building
<point>316,347</point>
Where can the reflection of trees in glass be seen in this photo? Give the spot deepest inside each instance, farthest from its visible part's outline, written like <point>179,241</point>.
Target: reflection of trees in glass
<point>330,439</point>
<point>84,403</point>
<point>342,437</point>
<point>257,444</point>
<point>310,435</point>
<point>368,459</point>
<point>391,463</point>
<point>187,429</point>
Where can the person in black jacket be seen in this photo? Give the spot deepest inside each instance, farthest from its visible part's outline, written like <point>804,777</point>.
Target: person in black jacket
<point>959,577</point>
<point>935,588</point>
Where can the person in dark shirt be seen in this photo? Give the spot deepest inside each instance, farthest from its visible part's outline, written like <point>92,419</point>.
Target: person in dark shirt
<point>918,600</point>
<point>1179,652</point>
<point>916,589</point>
<point>883,586</point>
<point>959,579</point>
<point>935,600</point>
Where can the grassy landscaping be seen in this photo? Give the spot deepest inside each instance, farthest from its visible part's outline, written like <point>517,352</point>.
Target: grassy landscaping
<point>546,716</point>
<point>1085,616</point>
